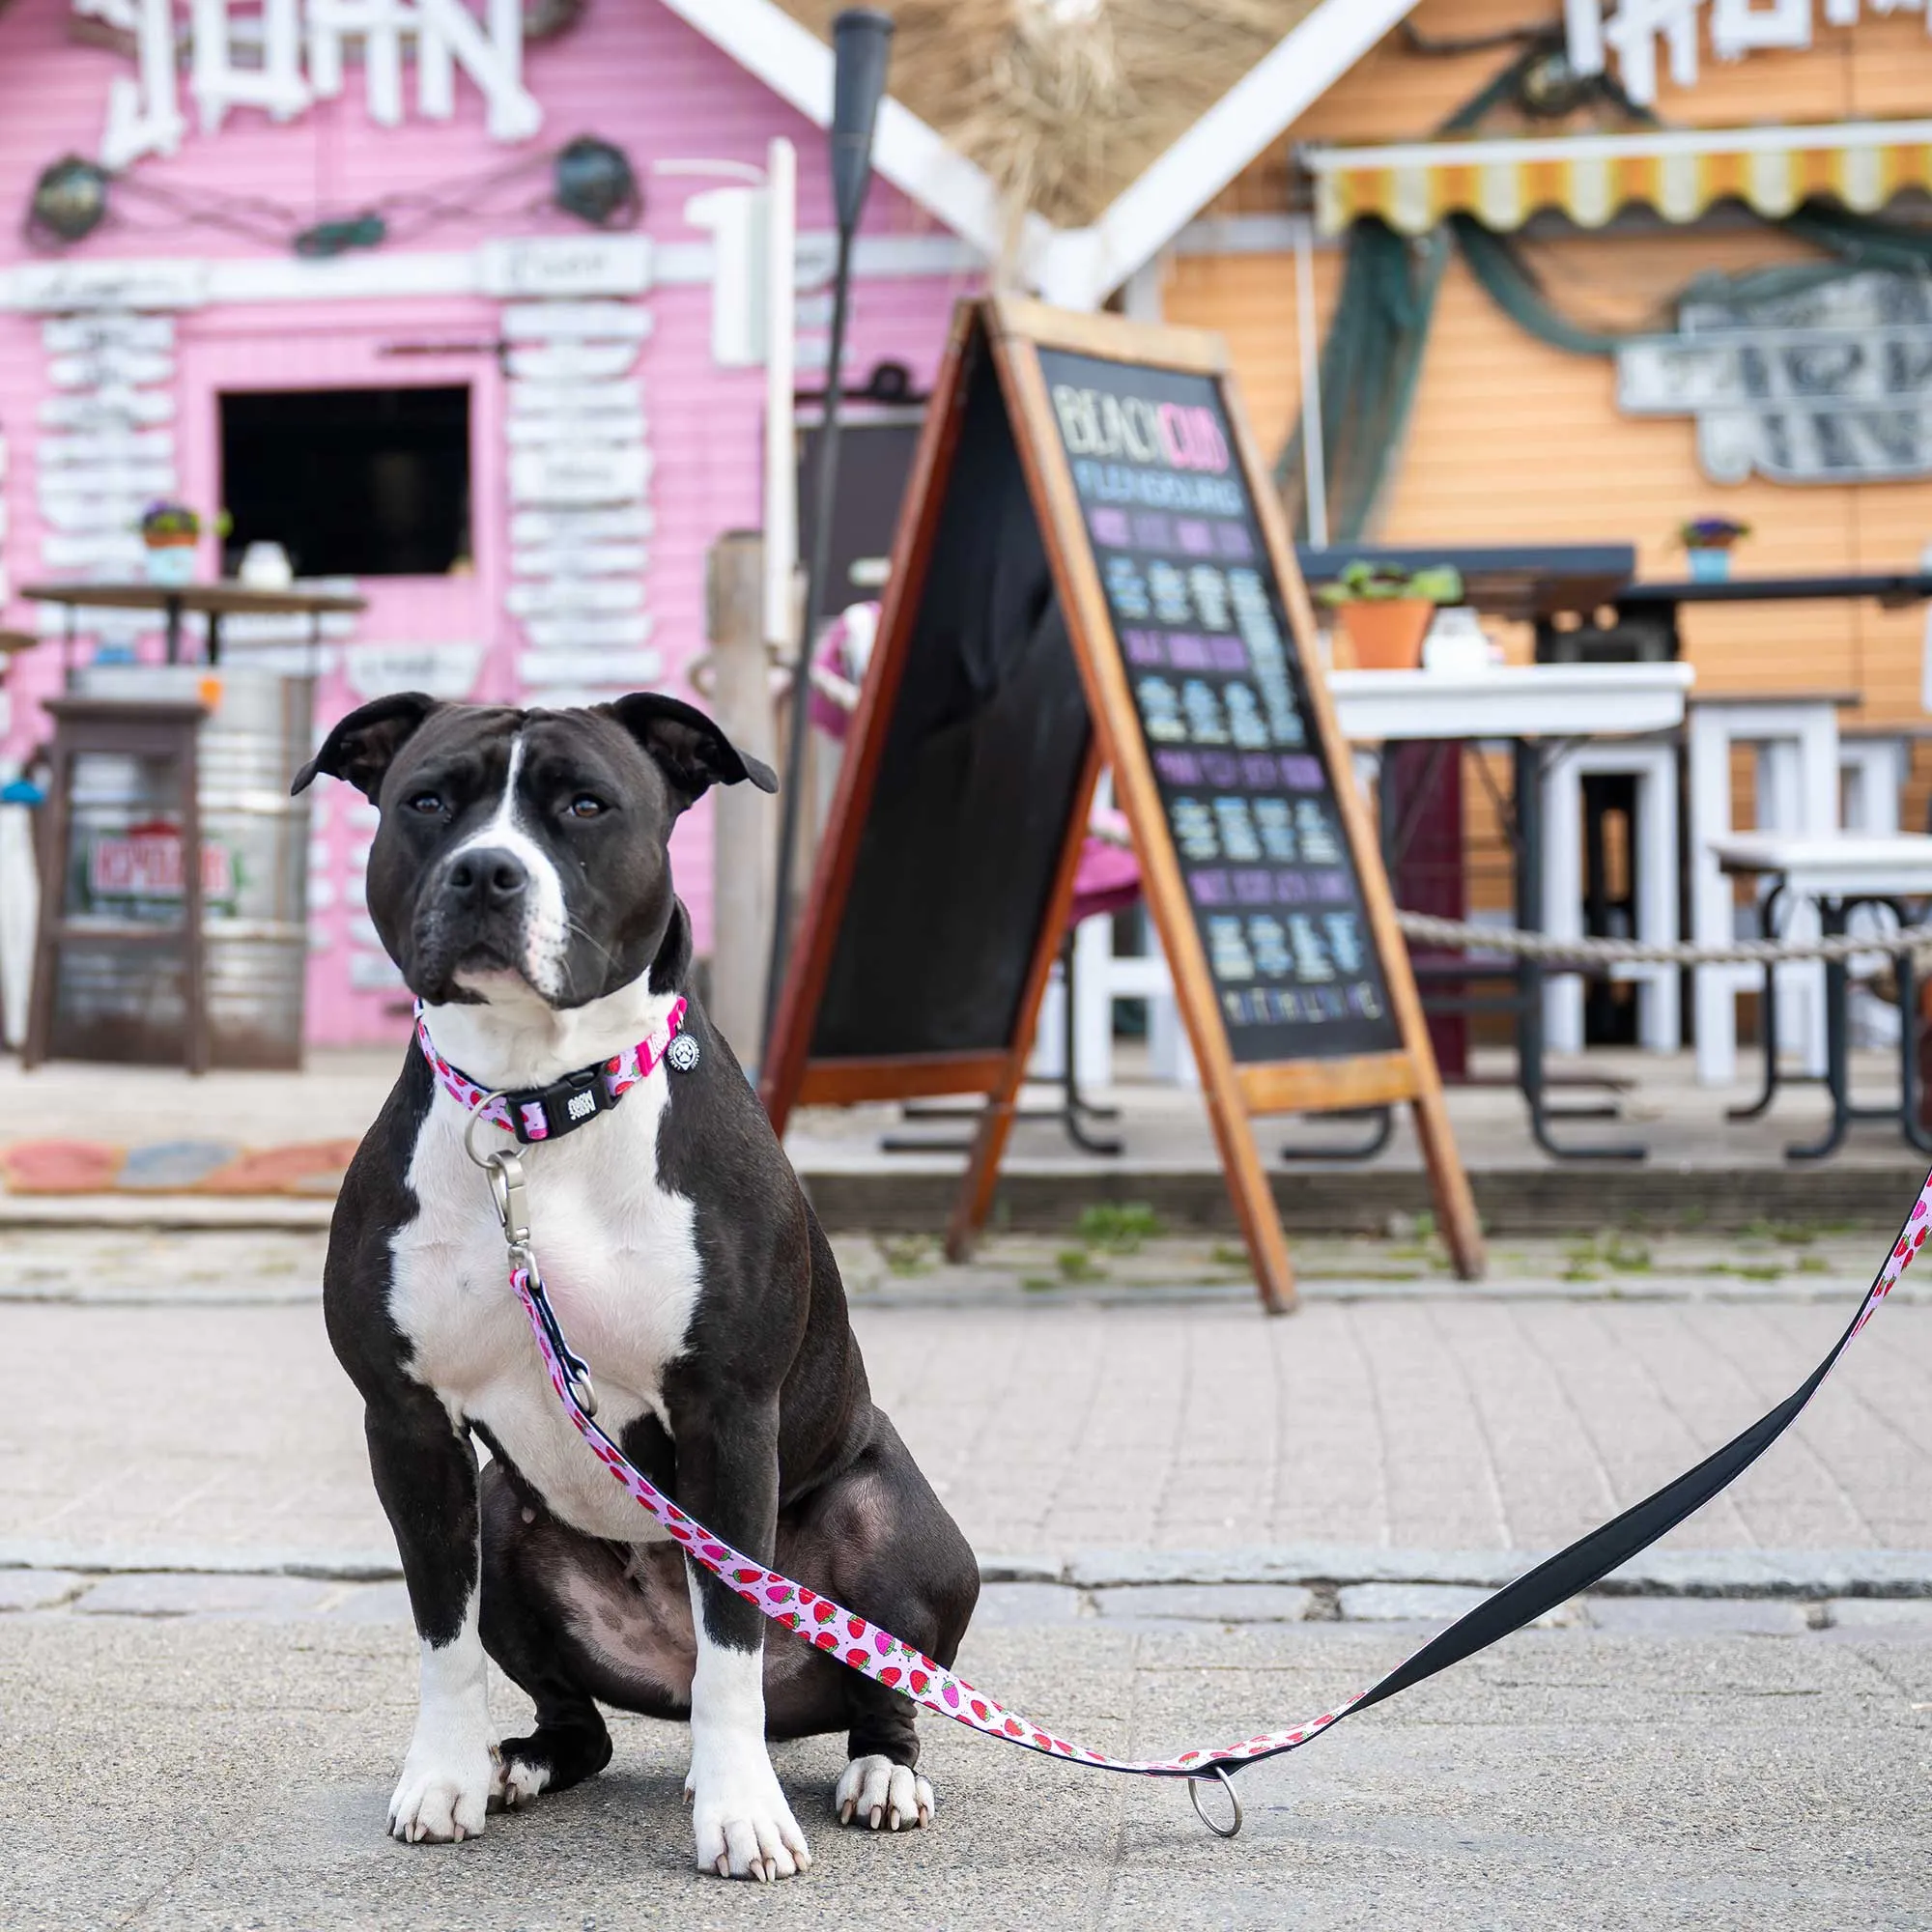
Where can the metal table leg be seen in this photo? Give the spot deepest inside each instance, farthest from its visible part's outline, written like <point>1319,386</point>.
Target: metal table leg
<point>1767,928</point>
<point>1908,1053</point>
<point>1837,1055</point>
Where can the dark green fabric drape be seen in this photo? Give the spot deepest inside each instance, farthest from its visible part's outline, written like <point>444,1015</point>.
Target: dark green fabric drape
<point>1371,359</point>
<point>1370,366</point>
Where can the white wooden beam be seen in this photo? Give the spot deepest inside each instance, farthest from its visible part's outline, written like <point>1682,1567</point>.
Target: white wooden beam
<point>1080,268</point>
<point>796,65</point>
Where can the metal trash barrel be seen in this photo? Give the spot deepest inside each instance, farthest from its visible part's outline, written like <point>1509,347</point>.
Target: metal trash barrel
<point>119,1002</point>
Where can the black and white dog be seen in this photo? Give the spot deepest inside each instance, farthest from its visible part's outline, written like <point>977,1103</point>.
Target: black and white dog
<point>521,880</point>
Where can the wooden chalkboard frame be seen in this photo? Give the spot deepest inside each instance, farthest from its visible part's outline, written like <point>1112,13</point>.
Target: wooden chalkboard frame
<point>1014,330</point>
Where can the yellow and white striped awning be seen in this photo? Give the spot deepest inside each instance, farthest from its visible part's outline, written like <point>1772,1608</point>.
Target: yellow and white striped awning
<point>1591,177</point>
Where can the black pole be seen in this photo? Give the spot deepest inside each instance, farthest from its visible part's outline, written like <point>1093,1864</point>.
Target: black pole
<point>861,39</point>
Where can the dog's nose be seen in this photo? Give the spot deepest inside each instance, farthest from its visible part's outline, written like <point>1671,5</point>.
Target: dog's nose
<point>490,878</point>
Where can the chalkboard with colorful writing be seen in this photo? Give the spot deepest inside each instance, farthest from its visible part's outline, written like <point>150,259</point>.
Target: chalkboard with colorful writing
<point>1222,703</point>
<point>1087,573</point>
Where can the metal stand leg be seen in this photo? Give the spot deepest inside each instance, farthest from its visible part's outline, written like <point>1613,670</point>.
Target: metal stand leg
<point>1837,1054</point>
<point>1379,1138</point>
<point>1073,1113</point>
<point>1529,1044</point>
<point>1074,1106</point>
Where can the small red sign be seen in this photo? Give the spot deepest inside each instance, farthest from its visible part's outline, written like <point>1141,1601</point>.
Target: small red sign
<point>144,862</point>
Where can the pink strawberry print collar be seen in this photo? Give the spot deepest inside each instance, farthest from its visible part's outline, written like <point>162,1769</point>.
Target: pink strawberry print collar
<point>547,1112</point>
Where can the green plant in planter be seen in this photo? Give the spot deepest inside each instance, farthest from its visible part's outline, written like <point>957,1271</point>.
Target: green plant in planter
<point>165,523</point>
<point>1712,533</point>
<point>1366,583</point>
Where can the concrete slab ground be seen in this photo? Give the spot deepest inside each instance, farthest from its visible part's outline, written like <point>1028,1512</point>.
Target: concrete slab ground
<point>215,1774</point>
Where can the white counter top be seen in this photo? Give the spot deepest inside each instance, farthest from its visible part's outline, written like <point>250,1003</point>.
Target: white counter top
<point>1850,866</point>
<point>1512,702</point>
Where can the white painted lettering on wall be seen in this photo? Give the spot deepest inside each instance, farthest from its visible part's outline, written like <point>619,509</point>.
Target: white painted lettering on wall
<point>1634,29</point>
<point>281,56</point>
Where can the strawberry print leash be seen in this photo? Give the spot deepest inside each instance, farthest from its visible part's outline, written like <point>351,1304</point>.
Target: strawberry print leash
<point>877,1652</point>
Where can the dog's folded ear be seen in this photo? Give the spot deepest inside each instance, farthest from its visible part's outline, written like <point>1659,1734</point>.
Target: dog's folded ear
<point>689,749</point>
<point>365,745</point>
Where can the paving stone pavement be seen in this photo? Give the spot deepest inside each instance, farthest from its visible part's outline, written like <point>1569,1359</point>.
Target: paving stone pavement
<point>1057,1427</point>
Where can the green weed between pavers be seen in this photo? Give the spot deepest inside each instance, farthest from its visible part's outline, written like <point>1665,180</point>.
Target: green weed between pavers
<point>908,1254</point>
<point>1118,1227</point>
<point>1412,1237</point>
<point>1077,1265</point>
<point>1616,1251</point>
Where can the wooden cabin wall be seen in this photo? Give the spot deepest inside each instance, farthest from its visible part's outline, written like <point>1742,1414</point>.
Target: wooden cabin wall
<point>1512,442</point>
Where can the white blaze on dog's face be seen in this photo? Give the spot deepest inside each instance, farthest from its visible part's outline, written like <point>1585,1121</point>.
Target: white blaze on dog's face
<point>507,876</point>
<point>526,850</point>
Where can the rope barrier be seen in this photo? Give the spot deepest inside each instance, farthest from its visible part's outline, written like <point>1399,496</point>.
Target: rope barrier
<point>1916,940</point>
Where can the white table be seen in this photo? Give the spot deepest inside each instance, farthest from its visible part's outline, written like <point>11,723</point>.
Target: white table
<point>1538,711</point>
<point>1516,701</point>
<point>1836,872</point>
<point>1795,737</point>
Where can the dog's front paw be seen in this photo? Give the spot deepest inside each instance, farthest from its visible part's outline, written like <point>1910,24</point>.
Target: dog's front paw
<point>875,1792</point>
<point>444,1791</point>
<point>743,1825</point>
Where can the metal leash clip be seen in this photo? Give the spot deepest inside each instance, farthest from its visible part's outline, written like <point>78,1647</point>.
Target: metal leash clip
<point>1194,1784</point>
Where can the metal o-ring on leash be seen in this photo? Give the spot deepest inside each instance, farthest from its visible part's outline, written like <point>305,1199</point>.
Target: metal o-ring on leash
<point>477,1117</point>
<point>1194,1784</point>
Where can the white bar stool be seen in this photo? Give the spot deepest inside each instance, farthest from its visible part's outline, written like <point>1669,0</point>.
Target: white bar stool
<point>1652,763</point>
<point>1873,768</point>
<point>1796,743</point>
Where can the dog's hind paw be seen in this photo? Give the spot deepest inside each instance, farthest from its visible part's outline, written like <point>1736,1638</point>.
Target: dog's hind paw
<point>876,1792</point>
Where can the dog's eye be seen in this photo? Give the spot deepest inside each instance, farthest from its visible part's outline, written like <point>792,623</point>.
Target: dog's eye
<point>426,801</point>
<point>583,805</point>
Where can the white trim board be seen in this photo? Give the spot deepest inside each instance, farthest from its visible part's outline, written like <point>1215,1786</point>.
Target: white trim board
<point>188,282</point>
<point>1083,266</point>
<point>1080,267</point>
<point>1791,138</point>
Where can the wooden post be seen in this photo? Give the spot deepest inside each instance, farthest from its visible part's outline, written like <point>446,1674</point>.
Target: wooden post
<point>743,821</point>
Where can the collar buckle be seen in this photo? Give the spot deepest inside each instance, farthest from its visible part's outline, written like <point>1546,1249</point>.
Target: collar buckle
<point>566,1103</point>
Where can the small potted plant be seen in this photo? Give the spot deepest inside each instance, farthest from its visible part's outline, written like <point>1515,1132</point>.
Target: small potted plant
<point>1388,610</point>
<point>170,531</point>
<point>1707,542</point>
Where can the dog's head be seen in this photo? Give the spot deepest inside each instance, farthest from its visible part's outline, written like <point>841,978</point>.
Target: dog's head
<point>525,847</point>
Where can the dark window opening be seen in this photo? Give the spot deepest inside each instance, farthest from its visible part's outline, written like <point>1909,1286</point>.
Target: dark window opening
<point>350,482</point>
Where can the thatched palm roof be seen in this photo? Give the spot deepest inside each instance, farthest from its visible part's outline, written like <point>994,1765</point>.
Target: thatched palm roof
<point>1065,102</point>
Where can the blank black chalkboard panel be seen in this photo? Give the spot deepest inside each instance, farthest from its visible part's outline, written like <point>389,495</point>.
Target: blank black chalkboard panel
<point>976,781</point>
<point>1221,698</point>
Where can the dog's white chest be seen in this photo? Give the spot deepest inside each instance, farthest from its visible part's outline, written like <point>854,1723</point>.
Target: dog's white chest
<point>619,1257</point>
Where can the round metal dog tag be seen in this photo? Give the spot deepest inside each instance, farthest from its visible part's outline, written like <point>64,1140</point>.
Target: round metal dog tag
<point>682,1053</point>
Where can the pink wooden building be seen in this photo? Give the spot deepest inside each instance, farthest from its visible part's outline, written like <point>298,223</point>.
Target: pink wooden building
<point>515,432</point>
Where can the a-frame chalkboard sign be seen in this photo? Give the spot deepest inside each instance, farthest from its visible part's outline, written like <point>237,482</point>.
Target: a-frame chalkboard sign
<point>1091,569</point>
